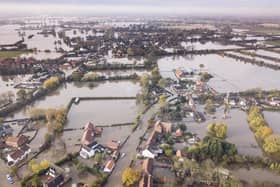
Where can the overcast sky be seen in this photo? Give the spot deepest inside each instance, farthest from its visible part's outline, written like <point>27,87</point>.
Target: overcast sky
<point>168,7</point>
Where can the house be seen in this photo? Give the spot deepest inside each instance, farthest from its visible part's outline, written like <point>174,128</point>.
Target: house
<point>274,101</point>
<point>147,166</point>
<point>90,131</point>
<point>88,151</point>
<point>18,155</point>
<point>179,133</point>
<point>163,127</point>
<point>160,129</point>
<point>110,165</point>
<point>5,130</point>
<point>54,179</point>
<point>146,179</point>
<point>17,141</point>
<point>113,145</point>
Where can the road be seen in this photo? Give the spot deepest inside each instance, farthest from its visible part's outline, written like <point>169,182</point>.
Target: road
<point>130,149</point>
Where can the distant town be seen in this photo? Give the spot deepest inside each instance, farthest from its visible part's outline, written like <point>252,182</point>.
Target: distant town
<point>148,102</point>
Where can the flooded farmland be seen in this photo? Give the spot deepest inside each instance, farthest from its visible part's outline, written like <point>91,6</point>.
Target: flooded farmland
<point>239,132</point>
<point>62,96</point>
<point>102,112</point>
<point>229,75</point>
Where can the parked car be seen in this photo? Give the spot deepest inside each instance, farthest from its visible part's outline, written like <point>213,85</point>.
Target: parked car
<point>10,179</point>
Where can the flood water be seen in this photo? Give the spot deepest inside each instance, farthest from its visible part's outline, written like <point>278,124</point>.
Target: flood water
<point>256,175</point>
<point>273,120</point>
<point>238,131</point>
<point>208,45</point>
<point>229,75</point>
<point>102,112</point>
<point>62,96</point>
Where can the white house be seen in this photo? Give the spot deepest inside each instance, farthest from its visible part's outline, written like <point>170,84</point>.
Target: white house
<point>88,151</point>
<point>148,154</point>
<point>18,155</point>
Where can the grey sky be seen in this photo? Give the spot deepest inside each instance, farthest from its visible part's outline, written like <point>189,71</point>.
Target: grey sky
<point>211,7</point>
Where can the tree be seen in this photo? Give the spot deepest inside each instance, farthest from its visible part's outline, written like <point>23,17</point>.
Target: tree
<point>51,83</point>
<point>130,177</point>
<point>168,152</point>
<point>130,51</point>
<point>272,144</point>
<point>90,76</point>
<point>155,76</point>
<point>21,94</point>
<point>263,132</point>
<point>201,66</point>
<point>45,164</point>
<point>77,76</point>
<point>162,83</point>
<point>217,130</point>
<point>144,80</point>
<point>162,100</point>
<point>34,166</point>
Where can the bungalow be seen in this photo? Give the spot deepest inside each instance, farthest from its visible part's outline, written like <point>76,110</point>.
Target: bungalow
<point>110,165</point>
<point>18,155</point>
<point>17,141</point>
<point>88,151</point>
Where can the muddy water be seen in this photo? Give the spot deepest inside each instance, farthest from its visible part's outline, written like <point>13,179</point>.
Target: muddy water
<point>238,131</point>
<point>229,74</point>
<point>256,175</point>
<point>273,120</point>
<point>102,112</point>
<point>8,34</point>
<point>62,96</point>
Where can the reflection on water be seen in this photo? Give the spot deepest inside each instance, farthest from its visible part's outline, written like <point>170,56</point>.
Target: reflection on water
<point>229,74</point>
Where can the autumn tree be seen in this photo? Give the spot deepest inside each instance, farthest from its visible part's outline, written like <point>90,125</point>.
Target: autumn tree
<point>263,132</point>
<point>51,83</point>
<point>217,130</point>
<point>272,144</point>
<point>130,177</point>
